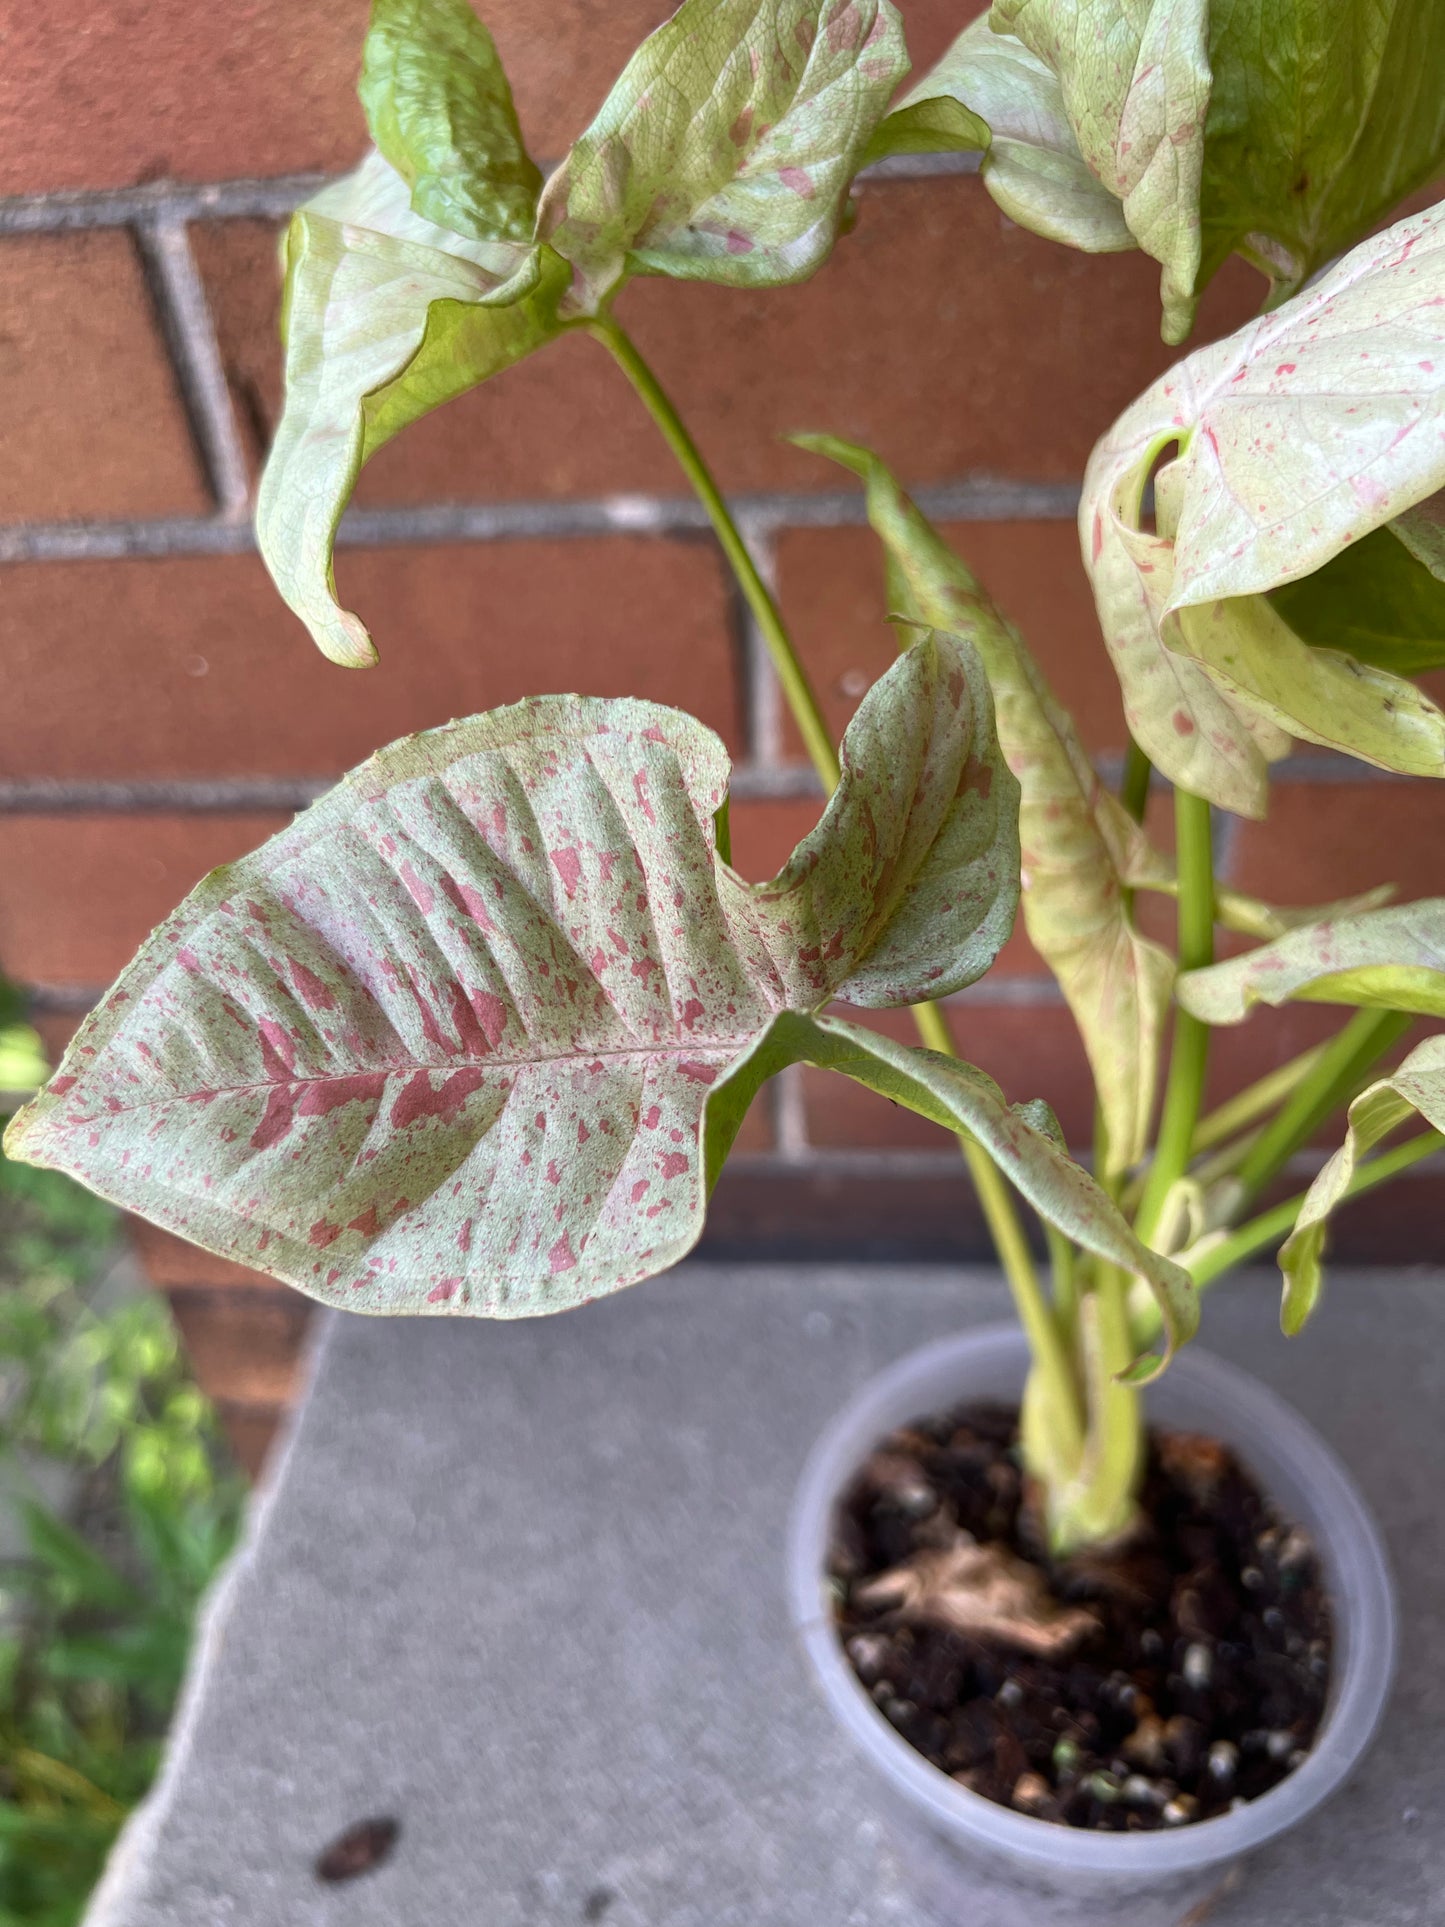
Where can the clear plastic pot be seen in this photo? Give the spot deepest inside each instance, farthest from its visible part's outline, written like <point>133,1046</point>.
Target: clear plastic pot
<point>976,1864</point>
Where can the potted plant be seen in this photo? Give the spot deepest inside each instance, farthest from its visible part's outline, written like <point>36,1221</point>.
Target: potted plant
<point>475,1035</point>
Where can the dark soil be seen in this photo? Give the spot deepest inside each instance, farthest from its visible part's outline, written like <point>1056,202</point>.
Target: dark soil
<point>1198,1683</point>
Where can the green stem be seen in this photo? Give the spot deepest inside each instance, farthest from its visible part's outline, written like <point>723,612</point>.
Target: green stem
<point>995,1199</point>
<point>1246,1107</point>
<point>1279,1220</point>
<point>1343,1066</point>
<point>1189,1056</point>
<point>802,700</point>
<point>1134,788</point>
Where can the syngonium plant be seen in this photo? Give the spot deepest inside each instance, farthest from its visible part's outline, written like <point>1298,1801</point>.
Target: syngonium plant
<point>476,1034</point>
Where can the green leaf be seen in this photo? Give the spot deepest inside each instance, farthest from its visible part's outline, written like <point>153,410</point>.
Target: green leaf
<point>1321,119</point>
<point>1387,959</point>
<point>440,110</point>
<point>1422,530</point>
<point>1377,600</point>
<point>446,1043</point>
<point>1023,1140</point>
<point>1135,83</point>
<point>387,316</point>
<point>1293,443</point>
<point>23,1063</point>
<point>76,1569</point>
<point>1076,842</point>
<point>1032,165</point>
<point>1418,1085</point>
<point>727,147</point>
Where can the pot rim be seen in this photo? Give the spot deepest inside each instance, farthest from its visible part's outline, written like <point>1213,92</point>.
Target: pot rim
<point>1361,1596</point>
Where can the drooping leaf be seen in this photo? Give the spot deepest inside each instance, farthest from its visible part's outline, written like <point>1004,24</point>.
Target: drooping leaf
<point>726,149</point>
<point>1023,1140</point>
<point>1135,82</point>
<point>446,1043</point>
<point>1377,600</point>
<point>1418,1085</point>
<point>387,316</point>
<point>440,110</point>
<point>1293,443</point>
<point>1322,118</point>
<point>1422,530</point>
<point>1076,841</point>
<point>1032,165</point>
<point>1388,959</point>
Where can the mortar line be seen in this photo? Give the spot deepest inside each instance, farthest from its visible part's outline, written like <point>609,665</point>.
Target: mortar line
<point>274,197</point>
<point>186,323</point>
<point>969,499</point>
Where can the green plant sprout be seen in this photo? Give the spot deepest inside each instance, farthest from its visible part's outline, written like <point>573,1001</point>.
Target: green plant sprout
<point>476,1034</point>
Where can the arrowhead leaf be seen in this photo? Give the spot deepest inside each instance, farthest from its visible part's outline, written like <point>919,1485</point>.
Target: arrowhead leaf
<point>1012,106</point>
<point>1076,842</point>
<point>727,147</point>
<point>1386,959</point>
<point>440,110</point>
<point>446,1044</point>
<point>1418,1085</point>
<point>1135,82</point>
<point>1321,119</point>
<point>388,315</point>
<point>1023,1140</point>
<point>1293,444</point>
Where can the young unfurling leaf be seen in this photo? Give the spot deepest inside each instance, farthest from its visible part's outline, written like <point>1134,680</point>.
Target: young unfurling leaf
<point>726,149</point>
<point>1294,442</point>
<point>1078,847</point>
<point>446,1044</point>
<point>440,110</point>
<point>1417,1086</point>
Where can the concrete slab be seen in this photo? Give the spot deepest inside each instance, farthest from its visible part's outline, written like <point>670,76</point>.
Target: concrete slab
<point>519,1587</point>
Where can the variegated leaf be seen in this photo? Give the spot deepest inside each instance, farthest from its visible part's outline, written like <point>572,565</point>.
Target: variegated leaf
<point>726,149</point>
<point>1386,959</point>
<point>1077,844</point>
<point>1293,442</point>
<point>1418,1085</point>
<point>387,316</point>
<point>1135,81</point>
<point>446,1043</point>
<point>1006,102</point>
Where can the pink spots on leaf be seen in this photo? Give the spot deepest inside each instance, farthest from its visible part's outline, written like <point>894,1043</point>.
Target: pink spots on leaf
<point>314,994</point>
<point>845,29</point>
<point>188,960</point>
<point>582,1132</point>
<point>439,1294</point>
<point>276,1119</point>
<point>690,1012</point>
<point>421,894</point>
<point>1285,368</point>
<point>327,1094</point>
<point>60,1085</point>
<point>606,860</point>
<point>643,967</point>
<point>741,128</point>
<point>554,1175</point>
<point>738,243</point>
<point>491,1014</point>
<point>562,1257</point>
<point>366,1222</point>
<point>568,865</point>
<point>418,1098</point>
<point>1183,723</point>
<point>799,181</point>
<point>639,788</point>
<point>672,1164</point>
<point>323,1233</point>
<point>641,1189</point>
<point>470,1033</point>
<point>653,1117</point>
<point>464,1236</point>
<point>699,1073</point>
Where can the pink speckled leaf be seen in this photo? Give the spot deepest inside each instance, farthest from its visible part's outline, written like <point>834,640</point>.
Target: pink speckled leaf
<point>1296,437</point>
<point>1383,959</point>
<point>727,147</point>
<point>446,1043</point>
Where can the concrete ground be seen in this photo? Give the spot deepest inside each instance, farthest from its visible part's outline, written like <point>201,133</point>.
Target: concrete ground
<point>518,1588</point>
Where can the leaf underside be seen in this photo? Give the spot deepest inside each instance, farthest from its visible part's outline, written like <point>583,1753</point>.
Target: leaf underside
<point>1386,959</point>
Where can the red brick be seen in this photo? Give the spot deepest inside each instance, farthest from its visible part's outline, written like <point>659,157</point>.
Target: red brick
<point>78,894</point>
<point>251,1434</point>
<point>94,424</point>
<point>210,675</point>
<point>1327,840</point>
<point>1008,355</point>
<point>832,592</point>
<point>171,1262</point>
<point>243,1345</point>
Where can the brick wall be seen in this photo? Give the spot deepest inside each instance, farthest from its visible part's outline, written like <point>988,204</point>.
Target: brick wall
<point>164,712</point>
